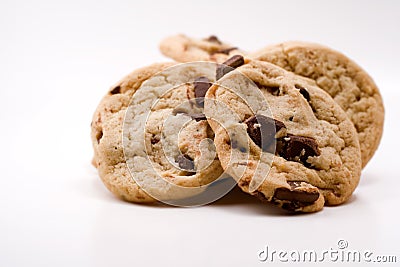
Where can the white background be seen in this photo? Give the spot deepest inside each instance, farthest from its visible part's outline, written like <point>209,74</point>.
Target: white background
<point>57,59</point>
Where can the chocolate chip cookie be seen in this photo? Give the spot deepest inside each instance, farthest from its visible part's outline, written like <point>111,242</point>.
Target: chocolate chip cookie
<point>151,137</point>
<point>186,49</point>
<point>106,134</point>
<point>346,82</point>
<point>283,138</point>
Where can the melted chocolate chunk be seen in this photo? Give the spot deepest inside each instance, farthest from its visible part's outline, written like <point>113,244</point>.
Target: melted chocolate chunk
<point>291,147</point>
<point>296,195</point>
<point>300,148</point>
<point>262,131</point>
<point>229,65</point>
<point>201,86</point>
<point>297,148</point>
<point>116,90</point>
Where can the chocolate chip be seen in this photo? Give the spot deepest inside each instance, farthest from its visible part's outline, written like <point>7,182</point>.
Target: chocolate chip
<point>299,148</point>
<point>262,130</point>
<point>230,64</point>
<point>225,51</point>
<point>293,206</point>
<point>185,162</point>
<point>116,90</point>
<point>303,91</point>
<point>235,61</point>
<point>213,39</point>
<point>296,195</point>
<point>198,116</point>
<point>154,139</point>
<point>201,86</point>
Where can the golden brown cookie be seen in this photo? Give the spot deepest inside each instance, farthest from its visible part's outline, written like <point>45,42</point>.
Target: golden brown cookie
<point>283,138</point>
<point>151,138</point>
<point>106,135</point>
<point>346,82</point>
<point>186,49</point>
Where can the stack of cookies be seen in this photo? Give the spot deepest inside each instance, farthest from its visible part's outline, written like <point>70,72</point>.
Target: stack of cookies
<point>292,124</point>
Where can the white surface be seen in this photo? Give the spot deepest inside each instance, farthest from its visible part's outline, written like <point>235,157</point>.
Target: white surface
<point>57,61</point>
